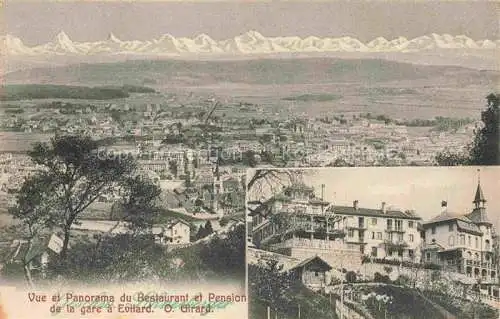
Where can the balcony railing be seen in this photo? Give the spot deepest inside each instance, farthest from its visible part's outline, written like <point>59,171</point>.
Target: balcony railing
<point>478,263</point>
<point>473,263</point>
<point>314,243</point>
<point>394,230</point>
<point>304,211</point>
<point>353,240</point>
<point>356,226</point>
<point>395,244</point>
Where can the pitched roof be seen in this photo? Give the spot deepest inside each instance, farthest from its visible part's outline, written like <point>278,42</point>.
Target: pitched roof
<point>479,197</point>
<point>468,227</point>
<point>349,210</point>
<point>174,222</point>
<point>317,201</point>
<point>434,246</point>
<point>464,222</point>
<point>479,216</point>
<point>315,259</point>
<point>443,217</point>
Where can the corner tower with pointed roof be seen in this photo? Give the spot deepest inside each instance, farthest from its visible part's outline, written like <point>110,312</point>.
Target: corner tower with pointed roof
<point>478,214</point>
<point>463,243</point>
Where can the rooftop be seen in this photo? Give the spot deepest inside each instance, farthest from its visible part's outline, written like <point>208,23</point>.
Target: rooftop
<point>360,211</point>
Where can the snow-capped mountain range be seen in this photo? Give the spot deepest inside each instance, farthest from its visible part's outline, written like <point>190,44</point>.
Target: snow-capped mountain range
<point>251,42</point>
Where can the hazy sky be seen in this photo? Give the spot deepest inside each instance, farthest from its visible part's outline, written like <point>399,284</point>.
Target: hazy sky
<point>418,188</point>
<point>37,22</point>
<point>421,189</point>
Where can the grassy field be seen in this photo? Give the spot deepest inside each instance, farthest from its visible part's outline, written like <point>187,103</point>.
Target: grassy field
<point>313,97</point>
<point>48,91</point>
<point>312,305</point>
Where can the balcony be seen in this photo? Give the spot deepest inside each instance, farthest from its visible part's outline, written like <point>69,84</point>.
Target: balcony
<point>361,240</point>
<point>304,211</point>
<point>313,243</point>
<point>394,230</point>
<point>478,263</point>
<point>357,226</point>
<point>395,244</point>
<point>488,265</point>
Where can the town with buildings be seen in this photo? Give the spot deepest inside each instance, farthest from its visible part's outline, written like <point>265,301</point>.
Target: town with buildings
<point>323,242</point>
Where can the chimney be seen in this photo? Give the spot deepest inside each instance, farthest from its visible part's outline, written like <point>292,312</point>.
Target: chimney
<point>383,208</point>
<point>444,206</point>
<point>355,204</point>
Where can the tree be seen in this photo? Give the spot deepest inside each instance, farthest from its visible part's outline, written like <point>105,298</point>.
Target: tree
<point>198,202</point>
<point>208,228</point>
<point>485,148</point>
<point>447,158</point>
<point>201,233</point>
<point>350,276</point>
<point>173,167</point>
<point>120,258</point>
<point>72,176</point>
<point>340,162</point>
<point>269,283</point>
<point>227,253</point>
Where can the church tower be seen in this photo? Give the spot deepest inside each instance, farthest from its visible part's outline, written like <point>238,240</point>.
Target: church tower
<point>217,187</point>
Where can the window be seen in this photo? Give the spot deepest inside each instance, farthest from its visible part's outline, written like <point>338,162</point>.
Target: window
<point>316,274</point>
<point>374,221</point>
<point>398,225</point>
<point>379,235</point>
<point>477,242</point>
<point>470,241</point>
<point>428,256</point>
<point>462,240</point>
<point>389,224</point>
<point>410,224</point>
<point>411,253</point>
<point>410,238</point>
<point>487,244</point>
<point>175,232</point>
<point>373,235</point>
<point>350,233</point>
<point>400,237</point>
<point>433,230</point>
<point>400,253</point>
<point>451,240</point>
<point>374,251</point>
<point>450,227</point>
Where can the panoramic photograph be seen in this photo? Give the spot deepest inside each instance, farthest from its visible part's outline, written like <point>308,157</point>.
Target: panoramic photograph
<point>411,242</point>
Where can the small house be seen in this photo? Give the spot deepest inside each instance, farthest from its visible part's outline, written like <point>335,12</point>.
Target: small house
<point>175,232</point>
<point>312,272</point>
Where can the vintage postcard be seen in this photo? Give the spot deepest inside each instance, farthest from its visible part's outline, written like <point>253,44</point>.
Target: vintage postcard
<point>127,129</point>
<point>399,242</point>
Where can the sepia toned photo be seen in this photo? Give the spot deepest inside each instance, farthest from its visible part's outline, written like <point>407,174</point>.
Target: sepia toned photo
<point>374,243</point>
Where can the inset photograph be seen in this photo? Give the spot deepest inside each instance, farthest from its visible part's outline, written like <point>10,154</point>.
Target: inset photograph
<point>399,242</point>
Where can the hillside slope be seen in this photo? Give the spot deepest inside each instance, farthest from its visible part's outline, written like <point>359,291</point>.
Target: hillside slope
<point>263,71</point>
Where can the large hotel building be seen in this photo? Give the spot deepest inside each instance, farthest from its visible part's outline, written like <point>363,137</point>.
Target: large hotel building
<point>296,223</point>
